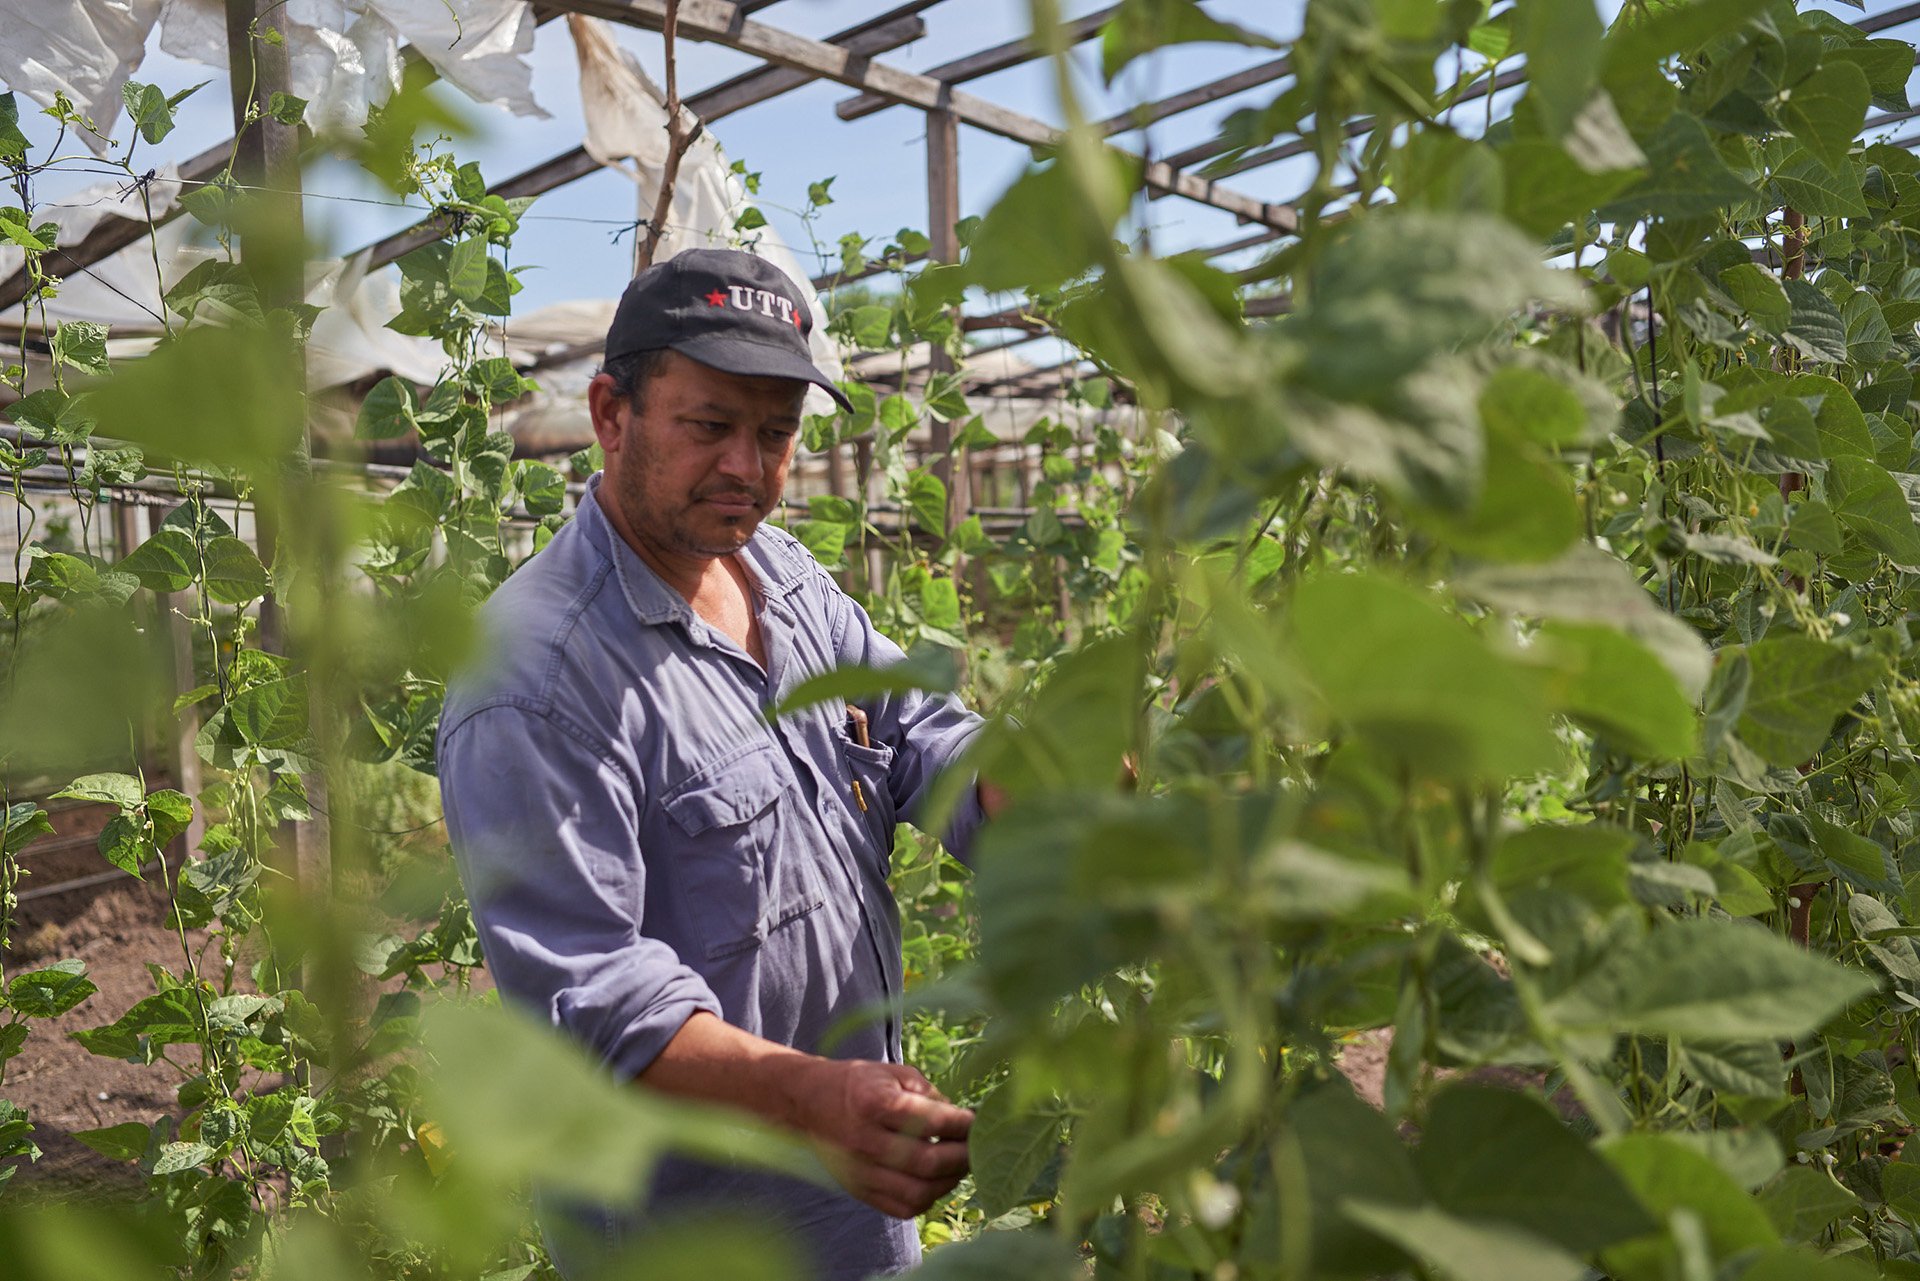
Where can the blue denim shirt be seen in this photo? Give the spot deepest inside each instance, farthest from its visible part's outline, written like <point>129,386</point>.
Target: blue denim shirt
<point>640,842</point>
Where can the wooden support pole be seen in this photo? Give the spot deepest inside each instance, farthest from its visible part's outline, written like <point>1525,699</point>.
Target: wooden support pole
<point>943,213</point>
<point>183,757</point>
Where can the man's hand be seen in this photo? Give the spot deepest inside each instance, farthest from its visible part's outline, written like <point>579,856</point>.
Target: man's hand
<point>881,1128</point>
<point>884,1131</point>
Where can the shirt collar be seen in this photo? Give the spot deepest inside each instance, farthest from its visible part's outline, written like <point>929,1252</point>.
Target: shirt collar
<point>649,595</point>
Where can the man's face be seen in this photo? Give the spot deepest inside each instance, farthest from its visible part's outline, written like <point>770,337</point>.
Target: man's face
<point>697,470</point>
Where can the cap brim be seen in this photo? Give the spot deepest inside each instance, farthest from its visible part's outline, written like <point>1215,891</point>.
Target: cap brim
<point>733,355</point>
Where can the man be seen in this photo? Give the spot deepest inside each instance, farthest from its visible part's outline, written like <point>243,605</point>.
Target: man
<point>695,892</point>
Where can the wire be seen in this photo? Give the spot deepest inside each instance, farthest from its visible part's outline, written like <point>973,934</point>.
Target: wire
<point>421,209</point>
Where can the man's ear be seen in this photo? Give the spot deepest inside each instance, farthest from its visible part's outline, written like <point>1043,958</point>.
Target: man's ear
<point>604,403</point>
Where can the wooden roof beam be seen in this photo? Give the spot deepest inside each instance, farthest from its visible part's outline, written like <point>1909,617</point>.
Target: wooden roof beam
<point>1225,87</point>
<point>723,23</point>
<point>888,31</point>
<point>983,63</point>
<point>1300,146</point>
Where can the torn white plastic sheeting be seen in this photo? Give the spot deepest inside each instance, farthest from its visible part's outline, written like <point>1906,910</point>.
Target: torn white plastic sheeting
<point>120,290</point>
<point>85,50</point>
<point>350,339</point>
<point>626,117</point>
<point>343,55</point>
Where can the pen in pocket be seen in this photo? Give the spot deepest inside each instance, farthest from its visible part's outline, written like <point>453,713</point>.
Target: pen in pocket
<point>857,731</point>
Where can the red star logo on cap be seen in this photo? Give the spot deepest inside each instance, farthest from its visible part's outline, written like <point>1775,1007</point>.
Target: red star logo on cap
<point>717,298</point>
<point>796,319</point>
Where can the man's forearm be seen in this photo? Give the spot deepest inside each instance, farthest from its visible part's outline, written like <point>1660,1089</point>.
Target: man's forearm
<point>711,1060</point>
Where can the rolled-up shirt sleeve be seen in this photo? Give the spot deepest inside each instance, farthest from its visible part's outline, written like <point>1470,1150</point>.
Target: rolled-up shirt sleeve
<point>544,828</point>
<point>927,731</point>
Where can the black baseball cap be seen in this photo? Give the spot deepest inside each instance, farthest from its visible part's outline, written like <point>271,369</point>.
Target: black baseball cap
<point>724,308</point>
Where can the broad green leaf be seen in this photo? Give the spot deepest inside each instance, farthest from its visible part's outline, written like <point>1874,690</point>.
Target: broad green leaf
<point>1612,683</point>
<point>170,812</point>
<point>82,345</point>
<point>1886,65</point>
<point>1520,402</point>
<point>20,823</point>
<point>387,411</point>
<point>1858,860</point>
<point>166,562</point>
<point>1825,111</point>
<point>1842,427</point>
<point>467,268</point>
<point>1008,1147</point>
<point>126,1142</point>
<point>1815,328</point>
<point>1868,502</point>
<point>1142,26</point>
<point>13,143</point>
<point>165,1018</point>
<point>1752,1068</point>
<point>926,498</point>
<point>1046,229</point>
<point>1488,1154</point>
<point>1588,861</point>
<point>1780,1263</point>
<point>175,1157</point>
<point>1588,585</point>
<point>287,108</point>
<point>1544,188</point>
<point>1416,682</point>
<point>162,400</point>
<point>1759,293</point>
<point>1685,176</point>
<point>73,578</point>
<point>1561,40</point>
<point>1799,686</point>
<point>1525,510</point>
<point>1670,1176</point>
<point>1813,528</point>
<point>1709,979</point>
<point>272,713</point>
<point>1031,1254</point>
<point>124,843</point>
<point>1818,190</point>
<point>50,992</point>
<point>1396,288</point>
<point>123,790</point>
<point>927,669</point>
<point>234,575</point>
<point>1897,956</point>
<point>543,490</point>
<point>1464,1249</point>
<point>1348,1150</point>
<point>149,109</point>
<point>1804,1201</point>
<point>224,290</point>
<point>54,415</point>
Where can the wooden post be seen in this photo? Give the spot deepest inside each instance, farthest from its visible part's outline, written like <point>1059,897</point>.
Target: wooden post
<point>836,471</point>
<point>273,249</point>
<point>126,537</point>
<point>184,757</point>
<point>943,211</point>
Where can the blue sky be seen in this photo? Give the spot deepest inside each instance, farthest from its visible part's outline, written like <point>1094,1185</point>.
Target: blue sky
<point>877,162</point>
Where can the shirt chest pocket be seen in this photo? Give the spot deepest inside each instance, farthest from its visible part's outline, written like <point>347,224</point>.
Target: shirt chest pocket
<point>733,852</point>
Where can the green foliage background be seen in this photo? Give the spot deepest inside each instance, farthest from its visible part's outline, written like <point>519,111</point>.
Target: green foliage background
<point>1513,641</point>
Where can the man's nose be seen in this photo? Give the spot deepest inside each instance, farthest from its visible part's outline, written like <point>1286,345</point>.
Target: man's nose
<point>740,459</point>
